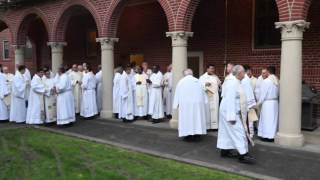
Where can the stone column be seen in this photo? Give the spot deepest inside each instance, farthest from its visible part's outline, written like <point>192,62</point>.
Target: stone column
<point>56,55</point>
<point>107,64</point>
<point>291,83</point>
<point>179,61</point>
<point>18,54</point>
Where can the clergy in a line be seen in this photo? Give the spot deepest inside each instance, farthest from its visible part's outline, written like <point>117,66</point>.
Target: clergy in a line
<point>4,92</point>
<point>99,88</point>
<point>140,94</point>
<point>167,92</point>
<point>126,110</point>
<point>27,77</point>
<point>89,98</point>
<point>76,80</point>
<point>116,91</point>
<point>191,101</point>
<point>233,132</point>
<point>50,98</point>
<point>65,99</point>
<point>36,108</point>
<point>210,84</point>
<point>155,97</point>
<point>18,106</point>
<point>268,122</point>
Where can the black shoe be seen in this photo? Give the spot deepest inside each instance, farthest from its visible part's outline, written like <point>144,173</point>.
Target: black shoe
<point>196,138</point>
<point>155,121</point>
<point>124,120</point>
<point>228,154</point>
<point>247,159</point>
<point>187,138</point>
<point>266,139</point>
<point>169,116</point>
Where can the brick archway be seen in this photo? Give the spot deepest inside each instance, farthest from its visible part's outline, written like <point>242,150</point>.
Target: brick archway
<point>5,25</point>
<point>64,15</point>
<point>24,22</point>
<point>115,10</point>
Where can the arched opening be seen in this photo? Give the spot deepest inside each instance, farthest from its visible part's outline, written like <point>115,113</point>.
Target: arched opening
<point>78,28</point>
<point>242,32</point>
<point>6,53</point>
<point>141,29</point>
<point>33,34</point>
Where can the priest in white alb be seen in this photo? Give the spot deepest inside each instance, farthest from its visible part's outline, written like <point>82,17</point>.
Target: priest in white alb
<point>126,109</point>
<point>191,101</point>
<point>50,98</point>
<point>140,94</point>
<point>269,115</point>
<point>9,78</point>
<point>36,108</point>
<point>99,88</point>
<point>116,91</point>
<point>76,80</point>
<point>210,84</point>
<point>89,98</point>
<point>18,105</point>
<point>4,92</point>
<point>167,92</point>
<point>155,96</point>
<point>65,99</point>
<point>233,132</point>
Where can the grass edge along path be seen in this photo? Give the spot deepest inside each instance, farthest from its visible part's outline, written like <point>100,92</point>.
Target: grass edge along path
<point>28,153</point>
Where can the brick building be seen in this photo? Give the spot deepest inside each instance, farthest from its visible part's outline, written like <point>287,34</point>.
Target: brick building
<point>191,33</point>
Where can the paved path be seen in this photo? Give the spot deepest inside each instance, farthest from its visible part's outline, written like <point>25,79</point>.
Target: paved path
<point>272,161</point>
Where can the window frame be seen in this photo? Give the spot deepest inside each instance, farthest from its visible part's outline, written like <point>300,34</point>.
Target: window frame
<point>3,50</point>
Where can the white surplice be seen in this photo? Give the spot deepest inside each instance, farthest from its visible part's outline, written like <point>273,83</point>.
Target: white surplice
<point>155,97</point>
<point>231,136</point>
<point>116,92</point>
<point>126,105</point>
<point>89,98</point>
<point>18,109</point>
<point>191,101</point>
<point>167,92</point>
<point>4,92</point>
<point>36,109</point>
<point>99,90</point>
<point>269,115</point>
<point>50,100</point>
<point>9,78</point>
<point>65,100</point>
<point>141,95</point>
<point>212,92</point>
<point>76,79</point>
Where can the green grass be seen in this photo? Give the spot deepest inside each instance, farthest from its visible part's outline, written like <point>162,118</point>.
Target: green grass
<point>33,154</point>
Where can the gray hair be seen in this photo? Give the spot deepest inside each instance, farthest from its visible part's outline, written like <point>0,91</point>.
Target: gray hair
<point>187,72</point>
<point>237,69</point>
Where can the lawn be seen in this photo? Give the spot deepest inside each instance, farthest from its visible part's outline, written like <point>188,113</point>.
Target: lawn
<point>34,154</point>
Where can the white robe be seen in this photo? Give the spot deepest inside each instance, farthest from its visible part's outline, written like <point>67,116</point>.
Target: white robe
<point>76,78</point>
<point>9,78</point>
<point>258,87</point>
<point>18,109</point>
<point>116,92</point>
<point>140,96</point>
<point>167,92</point>
<point>213,98</point>
<point>247,87</point>
<point>50,100</point>
<point>268,122</point>
<point>36,109</point>
<point>231,136</point>
<point>4,92</point>
<point>89,99</point>
<point>191,101</point>
<point>126,105</point>
<point>155,97</point>
<point>65,101</point>
<point>99,90</point>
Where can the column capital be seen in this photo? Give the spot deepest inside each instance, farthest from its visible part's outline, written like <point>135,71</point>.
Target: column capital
<point>107,43</point>
<point>179,38</point>
<point>56,47</point>
<point>292,30</point>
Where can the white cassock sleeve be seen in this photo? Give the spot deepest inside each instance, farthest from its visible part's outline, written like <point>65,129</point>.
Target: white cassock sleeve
<point>231,97</point>
<point>3,87</point>
<point>124,89</point>
<point>19,86</point>
<point>37,87</point>
<point>156,83</point>
<point>62,84</point>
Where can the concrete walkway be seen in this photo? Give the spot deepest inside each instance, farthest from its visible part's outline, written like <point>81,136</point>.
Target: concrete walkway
<point>272,162</point>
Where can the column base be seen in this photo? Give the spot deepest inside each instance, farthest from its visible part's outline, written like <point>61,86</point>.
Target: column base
<point>173,123</point>
<point>293,140</point>
<point>106,114</point>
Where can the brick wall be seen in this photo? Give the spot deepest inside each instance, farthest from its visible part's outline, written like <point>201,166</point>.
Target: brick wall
<point>4,35</point>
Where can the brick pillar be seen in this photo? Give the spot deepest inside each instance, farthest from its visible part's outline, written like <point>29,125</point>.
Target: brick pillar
<point>18,55</point>
<point>291,83</point>
<point>179,61</point>
<point>107,65</point>
<point>56,55</point>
